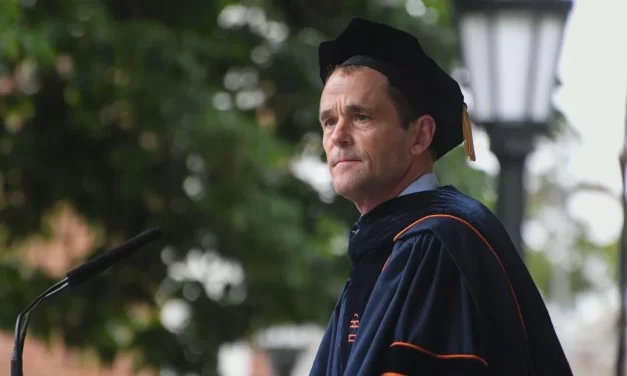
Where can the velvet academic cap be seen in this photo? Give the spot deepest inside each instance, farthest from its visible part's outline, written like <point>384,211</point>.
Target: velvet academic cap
<point>399,56</point>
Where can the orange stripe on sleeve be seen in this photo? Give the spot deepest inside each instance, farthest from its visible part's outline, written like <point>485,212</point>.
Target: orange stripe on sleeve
<point>485,241</point>
<point>440,356</point>
<point>392,374</point>
<point>386,263</point>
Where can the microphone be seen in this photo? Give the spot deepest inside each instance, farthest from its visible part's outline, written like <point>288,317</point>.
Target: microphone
<point>73,279</point>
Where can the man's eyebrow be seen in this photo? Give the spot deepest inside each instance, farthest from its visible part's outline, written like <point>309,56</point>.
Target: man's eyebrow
<point>352,107</point>
<point>325,114</point>
<point>357,108</point>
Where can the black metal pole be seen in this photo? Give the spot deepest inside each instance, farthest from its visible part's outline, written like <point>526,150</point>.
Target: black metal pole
<point>622,260</point>
<point>512,197</point>
<point>622,269</point>
<point>283,359</point>
<point>511,144</point>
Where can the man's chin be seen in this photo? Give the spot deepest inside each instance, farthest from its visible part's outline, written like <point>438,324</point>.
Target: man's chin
<point>348,190</point>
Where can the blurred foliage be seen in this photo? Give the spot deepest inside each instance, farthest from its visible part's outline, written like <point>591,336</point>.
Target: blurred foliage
<point>568,255</point>
<point>182,115</point>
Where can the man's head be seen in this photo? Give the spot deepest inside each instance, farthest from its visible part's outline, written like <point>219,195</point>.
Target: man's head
<point>376,143</point>
<point>387,109</point>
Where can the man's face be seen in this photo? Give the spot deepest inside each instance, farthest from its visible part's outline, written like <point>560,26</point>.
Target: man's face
<point>366,146</point>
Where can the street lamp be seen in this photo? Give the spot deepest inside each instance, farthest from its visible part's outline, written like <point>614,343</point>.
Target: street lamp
<point>510,48</point>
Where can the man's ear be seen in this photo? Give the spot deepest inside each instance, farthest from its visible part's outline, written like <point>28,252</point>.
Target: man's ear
<point>422,131</point>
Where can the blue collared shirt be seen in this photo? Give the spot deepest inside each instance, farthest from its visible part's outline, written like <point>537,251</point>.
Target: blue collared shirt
<point>426,182</point>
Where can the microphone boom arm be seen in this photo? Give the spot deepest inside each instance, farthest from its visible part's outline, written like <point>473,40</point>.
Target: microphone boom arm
<point>73,279</point>
<point>21,326</point>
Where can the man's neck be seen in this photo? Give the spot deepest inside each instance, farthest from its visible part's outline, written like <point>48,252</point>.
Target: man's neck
<point>366,205</point>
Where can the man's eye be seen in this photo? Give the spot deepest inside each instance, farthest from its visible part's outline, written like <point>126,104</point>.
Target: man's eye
<point>329,123</point>
<point>362,118</point>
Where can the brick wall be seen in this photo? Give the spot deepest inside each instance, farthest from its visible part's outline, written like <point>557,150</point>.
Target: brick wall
<point>53,360</point>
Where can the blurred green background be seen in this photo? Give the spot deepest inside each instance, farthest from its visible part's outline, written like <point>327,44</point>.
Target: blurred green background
<point>191,116</point>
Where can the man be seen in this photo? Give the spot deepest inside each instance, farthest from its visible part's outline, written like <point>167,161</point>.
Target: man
<point>436,286</point>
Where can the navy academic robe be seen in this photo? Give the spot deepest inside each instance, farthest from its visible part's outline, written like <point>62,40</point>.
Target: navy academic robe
<point>437,288</point>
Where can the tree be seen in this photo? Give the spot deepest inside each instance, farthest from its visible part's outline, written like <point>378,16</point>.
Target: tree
<point>186,117</point>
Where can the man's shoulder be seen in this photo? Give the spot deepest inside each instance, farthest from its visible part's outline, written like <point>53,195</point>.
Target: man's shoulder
<point>467,231</point>
<point>463,205</point>
<point>455,215</point>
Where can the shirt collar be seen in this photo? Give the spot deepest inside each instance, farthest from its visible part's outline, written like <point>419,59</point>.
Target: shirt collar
<point>426,182</point>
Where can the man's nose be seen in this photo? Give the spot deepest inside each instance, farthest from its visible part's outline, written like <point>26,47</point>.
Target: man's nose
<point>342,133</point>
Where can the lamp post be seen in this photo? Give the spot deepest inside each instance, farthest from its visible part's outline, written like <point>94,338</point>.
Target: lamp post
<point>285,344</point>
<point>510,48</point>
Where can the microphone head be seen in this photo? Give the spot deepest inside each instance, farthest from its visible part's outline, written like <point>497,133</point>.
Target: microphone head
<point>99,264</point>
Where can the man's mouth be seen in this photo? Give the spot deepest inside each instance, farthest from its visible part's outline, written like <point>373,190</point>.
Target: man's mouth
<point>341,161</point>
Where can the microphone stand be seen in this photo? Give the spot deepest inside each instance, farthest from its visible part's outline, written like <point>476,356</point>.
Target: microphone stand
<point>73,279</point>
<point>21,326</point>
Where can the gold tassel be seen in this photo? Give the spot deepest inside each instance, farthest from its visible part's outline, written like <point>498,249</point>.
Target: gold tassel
<point>469,147</point>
